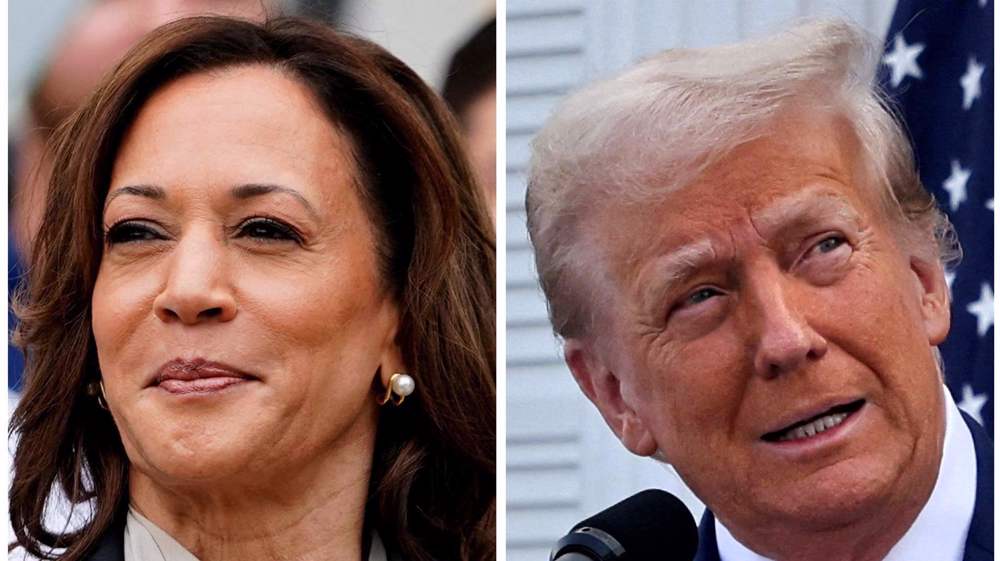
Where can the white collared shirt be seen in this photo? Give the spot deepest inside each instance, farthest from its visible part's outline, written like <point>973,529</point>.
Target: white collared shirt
<point>940,530</point>
<point>145,541</point>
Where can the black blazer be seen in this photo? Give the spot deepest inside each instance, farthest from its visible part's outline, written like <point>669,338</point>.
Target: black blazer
<point>112,544</point>
<point>979,543</point>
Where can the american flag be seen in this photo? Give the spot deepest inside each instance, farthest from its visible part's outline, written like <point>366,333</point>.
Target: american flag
<point>938,66</point>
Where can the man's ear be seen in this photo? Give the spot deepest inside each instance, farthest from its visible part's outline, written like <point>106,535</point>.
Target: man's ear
<point>603,388</point>
<point>935,301</point>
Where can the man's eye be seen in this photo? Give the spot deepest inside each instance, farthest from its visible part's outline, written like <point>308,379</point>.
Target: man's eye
<point>830,247</point>
<point>699,296</point>
<point>131,231</point>
<point>690,306</point>
<point>825,260</point>
<point>267,229</point>
<point>830,244</point>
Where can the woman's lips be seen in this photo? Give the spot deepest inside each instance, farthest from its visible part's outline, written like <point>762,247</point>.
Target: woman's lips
<point>201,385</point>
<point>186,376</point>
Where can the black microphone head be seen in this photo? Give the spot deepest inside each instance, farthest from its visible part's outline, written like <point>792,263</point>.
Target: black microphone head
<point>652,524</point>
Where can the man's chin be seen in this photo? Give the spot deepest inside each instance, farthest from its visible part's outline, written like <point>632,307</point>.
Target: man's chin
<point>837,497</point>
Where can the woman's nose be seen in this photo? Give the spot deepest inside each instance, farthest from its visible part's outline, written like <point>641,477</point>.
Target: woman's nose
<point>784,341</point>
<point>197,286</point>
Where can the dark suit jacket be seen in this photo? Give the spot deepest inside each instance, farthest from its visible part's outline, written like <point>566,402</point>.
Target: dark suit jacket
<point>112,544</point>
<point>978,545</point>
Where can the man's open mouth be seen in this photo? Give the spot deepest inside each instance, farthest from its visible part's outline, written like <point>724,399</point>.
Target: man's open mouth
<point>815,425</point>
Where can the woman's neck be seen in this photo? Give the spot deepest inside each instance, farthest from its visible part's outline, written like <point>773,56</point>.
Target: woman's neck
<point>315,513</point>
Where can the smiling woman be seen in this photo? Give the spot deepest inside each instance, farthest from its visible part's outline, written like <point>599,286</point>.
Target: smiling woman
<point>260,240</point>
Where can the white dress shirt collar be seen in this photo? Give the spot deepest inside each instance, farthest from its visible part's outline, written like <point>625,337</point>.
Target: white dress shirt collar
<point>145,541</point>
<point>940,530</point>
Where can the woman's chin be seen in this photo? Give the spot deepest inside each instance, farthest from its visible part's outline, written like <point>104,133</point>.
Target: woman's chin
<point>185,457</point>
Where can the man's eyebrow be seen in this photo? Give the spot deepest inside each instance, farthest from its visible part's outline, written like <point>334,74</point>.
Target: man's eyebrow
<point>672,268</point>
<point>148,191</point>
<point>803,207</point>
<point>680,262</point>
<point>251,190</point>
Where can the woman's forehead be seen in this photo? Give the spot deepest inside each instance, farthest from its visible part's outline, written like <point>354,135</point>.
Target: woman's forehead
<point>249,125</point>
<point>244,105</point>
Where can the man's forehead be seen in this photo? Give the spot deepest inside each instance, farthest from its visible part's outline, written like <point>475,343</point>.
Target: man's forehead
<point>669,226</point>
<point>805,168</point>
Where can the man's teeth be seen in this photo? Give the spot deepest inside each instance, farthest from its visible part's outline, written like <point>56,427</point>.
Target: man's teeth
<point>811,429</point>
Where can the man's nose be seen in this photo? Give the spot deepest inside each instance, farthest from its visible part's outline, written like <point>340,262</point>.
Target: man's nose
<point>783,338</point>
<point>197,285</point>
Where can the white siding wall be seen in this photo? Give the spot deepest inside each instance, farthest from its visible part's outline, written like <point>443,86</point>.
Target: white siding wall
<point>562,462</point>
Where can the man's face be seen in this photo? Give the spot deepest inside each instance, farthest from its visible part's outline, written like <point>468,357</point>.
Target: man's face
<point>771,336</point>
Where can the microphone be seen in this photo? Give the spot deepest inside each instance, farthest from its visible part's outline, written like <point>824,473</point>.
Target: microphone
<point>652,524</point>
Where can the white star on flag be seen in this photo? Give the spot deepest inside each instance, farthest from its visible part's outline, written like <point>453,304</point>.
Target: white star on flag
<point>989,204</point>
<point>983,310</point>
<point>971,87</point>
<point>955,184</point>
<point>903,60</point>
<point>972,403</point>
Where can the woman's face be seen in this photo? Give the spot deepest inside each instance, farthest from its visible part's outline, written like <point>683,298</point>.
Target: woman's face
<point>238,313</point>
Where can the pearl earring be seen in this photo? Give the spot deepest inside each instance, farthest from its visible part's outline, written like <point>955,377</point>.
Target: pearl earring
<point>400,386</point>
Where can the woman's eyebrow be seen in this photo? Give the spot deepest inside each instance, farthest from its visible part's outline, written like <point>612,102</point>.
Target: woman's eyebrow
<point>241,192</point>
<point>251,190</point>
<point>148,191</point>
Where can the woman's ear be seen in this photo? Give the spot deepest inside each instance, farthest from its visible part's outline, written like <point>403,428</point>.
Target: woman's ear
<point>391,359</point>
<point>935,299</point>
<point>391,363</point>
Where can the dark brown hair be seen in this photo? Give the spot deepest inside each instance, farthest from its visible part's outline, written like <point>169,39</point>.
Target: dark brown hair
<point>432,491</point>
<point>472,71</point>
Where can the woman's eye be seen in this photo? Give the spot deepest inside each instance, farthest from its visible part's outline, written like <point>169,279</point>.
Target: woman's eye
<point>267,229</point>
<point>131,231</point>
